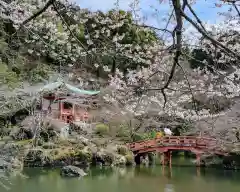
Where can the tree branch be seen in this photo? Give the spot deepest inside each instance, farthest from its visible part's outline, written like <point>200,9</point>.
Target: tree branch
<point>154,28</point>
<point>194,14</point>
<point>68,28</point>
<point>207,36</point>
<point>236,8</point>
<point>190,89</point>
<point>39,12</point>
<point>178,31</point>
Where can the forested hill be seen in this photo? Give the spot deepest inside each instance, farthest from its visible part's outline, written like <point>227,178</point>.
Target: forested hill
<point>84,40</point>
<point>65,35</point>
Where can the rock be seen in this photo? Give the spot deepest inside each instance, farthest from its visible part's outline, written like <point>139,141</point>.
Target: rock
<point>9,157</point>
<point>10,149</point>
<point>72,171</point>
<point>104,157</point>
<point>145,161</point>
<point>84,140</point>
<point>3,164</point>
<point>34,154</point>
<point>36,158</point>
<point>21,133</point>
<point>14,164</point>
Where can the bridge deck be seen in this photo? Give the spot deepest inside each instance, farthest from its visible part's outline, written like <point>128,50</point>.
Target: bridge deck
<point>192,143</point>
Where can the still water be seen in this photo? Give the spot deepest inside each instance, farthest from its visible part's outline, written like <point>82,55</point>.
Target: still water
<point>140,179</point>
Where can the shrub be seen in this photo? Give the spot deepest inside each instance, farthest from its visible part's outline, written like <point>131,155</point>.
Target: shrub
<point>139,136</point>
<point>83,155</point>
<point>122,150</point>
<point>102,129</point>
<point>129,158</point>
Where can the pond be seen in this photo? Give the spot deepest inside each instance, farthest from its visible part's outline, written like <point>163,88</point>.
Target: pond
<point>139,179</point>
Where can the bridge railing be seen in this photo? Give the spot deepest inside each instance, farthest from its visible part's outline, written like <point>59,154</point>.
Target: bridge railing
<point>183,141</point>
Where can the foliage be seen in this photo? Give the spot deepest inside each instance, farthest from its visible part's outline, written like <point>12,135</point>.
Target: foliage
<point>208,53</point>
<point>101,129</point>
<point>7,77</point>
<point>122,150</point>
<point>129,158</point>
<point>113,34</point>
<point>139,136</point>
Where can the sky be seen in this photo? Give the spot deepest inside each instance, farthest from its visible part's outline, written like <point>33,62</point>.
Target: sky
<point>154,12</point>
<point>204,8</point>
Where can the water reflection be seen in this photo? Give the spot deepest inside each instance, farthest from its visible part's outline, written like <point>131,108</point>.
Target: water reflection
<point>169,188</point>
<point>140,179</point>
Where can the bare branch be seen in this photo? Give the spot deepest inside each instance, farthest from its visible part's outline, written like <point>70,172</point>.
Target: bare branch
<point>236,8</point>
<point>194,14</point>
<point>155,28</point>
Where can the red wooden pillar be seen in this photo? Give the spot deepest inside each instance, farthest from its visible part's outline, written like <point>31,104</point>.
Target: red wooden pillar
<point>167,158</point>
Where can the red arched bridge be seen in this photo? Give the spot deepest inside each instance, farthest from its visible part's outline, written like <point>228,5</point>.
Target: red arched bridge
<point>167,144</point>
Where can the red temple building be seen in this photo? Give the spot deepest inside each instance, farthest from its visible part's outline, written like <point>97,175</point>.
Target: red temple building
<point>68,103</point>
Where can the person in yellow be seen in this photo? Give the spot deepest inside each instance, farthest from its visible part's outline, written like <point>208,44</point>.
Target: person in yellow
<point>159,134</point>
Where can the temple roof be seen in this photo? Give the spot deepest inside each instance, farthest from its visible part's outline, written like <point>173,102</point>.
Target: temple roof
<point>60,84</point>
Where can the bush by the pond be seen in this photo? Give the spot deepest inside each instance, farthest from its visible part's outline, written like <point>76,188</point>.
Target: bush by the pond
<point>102,129</point>
<point>139,136</point>
<point>122,150</point>
<point>129,158</point>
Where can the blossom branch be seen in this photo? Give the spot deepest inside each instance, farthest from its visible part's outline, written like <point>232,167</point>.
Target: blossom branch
<point>207,36</point>
<point>48,4</point>
<point>155,28</point>
<point>68,28</point>
<point>190,89</point>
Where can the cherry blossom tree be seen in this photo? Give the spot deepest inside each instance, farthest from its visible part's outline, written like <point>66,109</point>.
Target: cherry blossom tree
<point>146,74</point>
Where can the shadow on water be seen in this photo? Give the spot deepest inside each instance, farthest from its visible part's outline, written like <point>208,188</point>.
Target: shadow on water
<point>95,172</point>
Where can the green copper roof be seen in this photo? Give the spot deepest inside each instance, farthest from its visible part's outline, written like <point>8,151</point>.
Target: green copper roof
<point>81,91</point>
<point>55,85</point>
